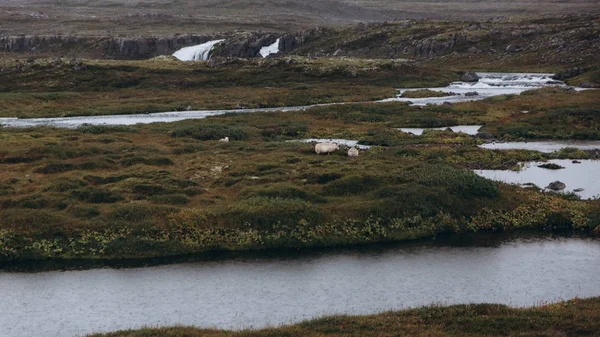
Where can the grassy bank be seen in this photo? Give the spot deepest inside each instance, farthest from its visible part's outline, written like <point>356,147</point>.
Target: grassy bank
<point>56,88</point>
<point>572,318</point>
<point>105,192</point>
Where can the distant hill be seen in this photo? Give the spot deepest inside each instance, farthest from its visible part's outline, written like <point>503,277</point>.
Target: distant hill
<point>168,17</point>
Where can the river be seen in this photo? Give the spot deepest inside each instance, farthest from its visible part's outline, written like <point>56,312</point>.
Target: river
<point>259,291</point>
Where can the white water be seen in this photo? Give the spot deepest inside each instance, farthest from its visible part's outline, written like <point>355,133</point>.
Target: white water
<point>468,129</point>
<point>584,175</point>
<point>546,147</point>
<point>199,52</point>
<point>271,49</point>
<point>490,84</point>
<point>346,142</point>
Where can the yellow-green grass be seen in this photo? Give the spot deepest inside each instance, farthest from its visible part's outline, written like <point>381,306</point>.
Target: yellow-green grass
<point>578,317</point>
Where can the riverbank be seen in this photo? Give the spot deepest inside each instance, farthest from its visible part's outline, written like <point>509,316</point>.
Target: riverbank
<point>579,317</point>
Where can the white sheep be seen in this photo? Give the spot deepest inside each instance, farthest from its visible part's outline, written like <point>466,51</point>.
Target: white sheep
<point>226,139</point>
<point>326,147</point>
<point>353,152</point>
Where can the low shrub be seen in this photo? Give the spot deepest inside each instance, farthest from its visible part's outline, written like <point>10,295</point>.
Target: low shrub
<point>282,191</point>
<point>85,212</point>
<point>100,129</point>
<point>173,199</point>
<point>209,132</point>
<point>152,161</point>
<point>286,129</point>
<point>266,213</point>
<point>461,182</point>
<point>355,184</point>
<point>97,195</point>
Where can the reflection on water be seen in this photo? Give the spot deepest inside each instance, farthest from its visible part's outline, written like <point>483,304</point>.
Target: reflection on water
<point>584,175</point>
<point>546,146</point>
<point>256,292</point>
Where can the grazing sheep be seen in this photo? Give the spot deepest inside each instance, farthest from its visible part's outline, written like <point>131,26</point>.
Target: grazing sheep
<point>353,152</point>
<point>326,148</point>
<point>226,139</point>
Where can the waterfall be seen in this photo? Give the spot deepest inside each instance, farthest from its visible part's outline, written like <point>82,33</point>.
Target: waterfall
<point>199,52</point>
<point>268,50</point>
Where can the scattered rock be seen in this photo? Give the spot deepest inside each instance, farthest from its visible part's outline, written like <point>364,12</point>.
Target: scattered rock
<point>448,103</point>
<point>586,85</point>
<point>470,76</point>
<point>471,93</point>
<point>578,190</point>
<point>576,162</point>
<point>448,129</point>
<point>556,186</point>
<point>513,48</point>
<point>568,73</point>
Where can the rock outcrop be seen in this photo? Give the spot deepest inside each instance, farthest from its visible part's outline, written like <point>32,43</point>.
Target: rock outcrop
<point>568,73</point>
<point>469,76</point>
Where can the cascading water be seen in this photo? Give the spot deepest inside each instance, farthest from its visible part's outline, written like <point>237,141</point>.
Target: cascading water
<point>271,49</point>
<point>489,84</point>
<point>199,52</point>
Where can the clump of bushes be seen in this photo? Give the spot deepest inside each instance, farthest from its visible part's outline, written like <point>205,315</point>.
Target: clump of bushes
<point>286,129</point>
<point>152,161</point>
<point>551,166</point>
<point>282,191</point>
<point>265,213</point>
<point>100,129</point>
<point>210,132</point>
<point>461,182</point>
<point>173,199</point>
<point>355,184</point>
<point>97,195</point>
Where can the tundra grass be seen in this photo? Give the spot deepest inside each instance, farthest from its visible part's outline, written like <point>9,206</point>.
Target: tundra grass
<point>107,192</point>
<point>578,317</point>
<point>50,88</point>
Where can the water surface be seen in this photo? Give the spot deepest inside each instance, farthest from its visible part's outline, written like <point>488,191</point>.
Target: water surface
<point>546,146</point>
<point>585,175</point>
<point>468,129</point>
<point>251,292</point>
